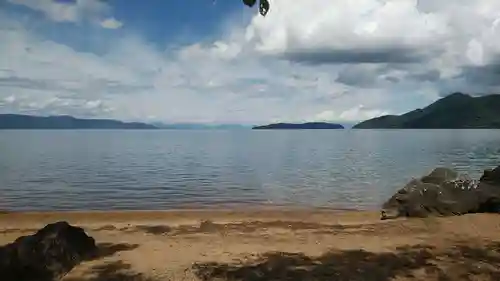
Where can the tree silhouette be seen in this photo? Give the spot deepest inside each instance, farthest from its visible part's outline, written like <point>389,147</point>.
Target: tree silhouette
<point>263,5</point>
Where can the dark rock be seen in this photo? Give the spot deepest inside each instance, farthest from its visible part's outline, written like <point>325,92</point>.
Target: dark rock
<point>444,192</point>
<point>47,255</point>
<point>489,185</point>
<point>491,176</point>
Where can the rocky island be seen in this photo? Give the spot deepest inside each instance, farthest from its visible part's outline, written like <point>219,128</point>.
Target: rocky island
<point>456,111</point>
<point>301,126</point>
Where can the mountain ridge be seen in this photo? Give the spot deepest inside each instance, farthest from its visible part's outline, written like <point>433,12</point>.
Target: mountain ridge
<point>23,121</point>
<point>455,111</point>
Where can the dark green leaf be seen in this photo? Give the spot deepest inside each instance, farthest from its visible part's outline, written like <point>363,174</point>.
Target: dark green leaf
<point>249,3</point>
<point>263,7</point>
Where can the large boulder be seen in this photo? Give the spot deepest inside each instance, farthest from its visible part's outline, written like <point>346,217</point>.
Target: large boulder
<point>47,255</point>
<point>445,192</point>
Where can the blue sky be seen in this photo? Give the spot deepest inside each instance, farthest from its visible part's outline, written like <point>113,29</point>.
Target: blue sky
<point>200,61</point>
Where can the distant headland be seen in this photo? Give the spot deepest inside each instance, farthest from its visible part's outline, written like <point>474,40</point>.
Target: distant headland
<point>19,121</point>
<point>300,126</point>
<point>455,111</point>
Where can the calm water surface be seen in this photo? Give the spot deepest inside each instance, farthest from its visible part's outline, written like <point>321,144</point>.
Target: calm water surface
<point>70,170</point>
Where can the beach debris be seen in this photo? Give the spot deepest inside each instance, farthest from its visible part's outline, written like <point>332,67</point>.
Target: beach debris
<point>445,192</point>
<point>208,226</point>
<point>47,255</point>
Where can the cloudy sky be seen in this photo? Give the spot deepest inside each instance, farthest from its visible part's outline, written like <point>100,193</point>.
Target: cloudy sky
<point>220,62</point>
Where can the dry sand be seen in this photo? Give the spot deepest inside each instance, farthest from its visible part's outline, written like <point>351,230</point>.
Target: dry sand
<point>266,244</point>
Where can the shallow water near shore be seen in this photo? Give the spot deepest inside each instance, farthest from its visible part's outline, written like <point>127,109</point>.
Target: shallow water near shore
<point>167,169</point>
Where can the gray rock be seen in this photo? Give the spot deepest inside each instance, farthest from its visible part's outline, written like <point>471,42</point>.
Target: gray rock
<point>445,192</point>
<point>440,175</point>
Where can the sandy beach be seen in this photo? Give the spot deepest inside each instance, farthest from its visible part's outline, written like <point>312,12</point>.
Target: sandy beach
<point>267,244</point>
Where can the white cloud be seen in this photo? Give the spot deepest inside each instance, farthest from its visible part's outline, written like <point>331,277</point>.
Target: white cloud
<point>356,113</point>
<point>111,23</point>
<point>57,11</point>
<point>343,24</point>
<point>75,11</point>
<point>9,99</point>
<point>309,60</point>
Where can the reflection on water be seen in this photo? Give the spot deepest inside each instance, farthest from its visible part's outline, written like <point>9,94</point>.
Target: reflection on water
<point>43,170</point>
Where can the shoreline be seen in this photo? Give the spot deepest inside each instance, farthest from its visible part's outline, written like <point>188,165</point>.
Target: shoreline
<point>237,206</point>
<point>243,208</point>
<point>183,216</point>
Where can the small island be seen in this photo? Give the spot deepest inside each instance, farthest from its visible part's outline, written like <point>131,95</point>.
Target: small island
<point>19,121</point>
<point>301,126</point>
<point>455,111</point>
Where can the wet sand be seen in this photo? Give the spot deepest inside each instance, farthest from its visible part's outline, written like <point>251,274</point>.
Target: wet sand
<point>269,244</point>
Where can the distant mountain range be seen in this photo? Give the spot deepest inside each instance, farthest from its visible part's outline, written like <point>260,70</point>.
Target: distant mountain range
<point>456,111</point>
<point>301,126</point>
<point>18,121</point>
<point>200,126</point>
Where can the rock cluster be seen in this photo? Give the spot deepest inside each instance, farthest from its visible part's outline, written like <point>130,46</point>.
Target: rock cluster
<point>47,255</point>
<point>444,192</point>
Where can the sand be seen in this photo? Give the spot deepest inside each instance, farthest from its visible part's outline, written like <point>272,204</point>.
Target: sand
<point>267,244</point>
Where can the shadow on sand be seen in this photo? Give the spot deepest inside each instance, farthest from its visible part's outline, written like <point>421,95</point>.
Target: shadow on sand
<point>412,263</point>
<point>419,262</point>
<point>112,271</point>
<point>109,249</point>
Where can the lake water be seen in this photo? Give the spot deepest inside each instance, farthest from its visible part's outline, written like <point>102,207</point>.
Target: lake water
<point>99,170</point>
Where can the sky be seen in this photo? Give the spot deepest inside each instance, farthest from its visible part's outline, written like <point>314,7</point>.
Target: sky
<point>206,61</point>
